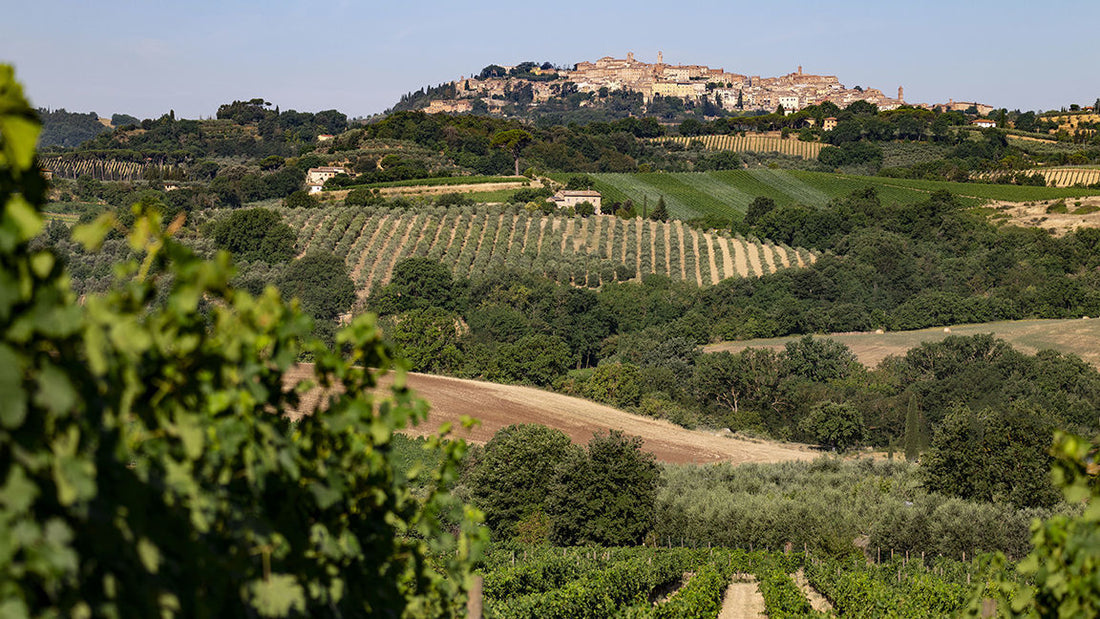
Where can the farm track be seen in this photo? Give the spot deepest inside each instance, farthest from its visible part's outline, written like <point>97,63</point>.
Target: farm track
<point>742,599</point>
<point>817,601</point>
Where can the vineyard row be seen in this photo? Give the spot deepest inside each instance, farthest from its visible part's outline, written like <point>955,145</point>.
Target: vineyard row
<point>583,251</point>
<point>752,143</point>
<point>1068,177</point>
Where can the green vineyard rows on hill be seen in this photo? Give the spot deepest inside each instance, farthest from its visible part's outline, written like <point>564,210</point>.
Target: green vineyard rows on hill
<point>689,195</point>
<point>475,242</point>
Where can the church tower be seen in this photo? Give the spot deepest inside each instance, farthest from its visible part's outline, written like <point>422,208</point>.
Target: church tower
<point>901,94</point>
<point>660,58</point>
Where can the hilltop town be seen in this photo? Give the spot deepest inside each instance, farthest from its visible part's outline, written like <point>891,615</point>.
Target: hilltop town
<point>528,84</point>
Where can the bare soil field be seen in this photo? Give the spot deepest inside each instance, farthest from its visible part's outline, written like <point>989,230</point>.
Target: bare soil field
<point>1077,335</point>
<point>497,406</point>
<point>1034,214</point>
<point>428,190</point>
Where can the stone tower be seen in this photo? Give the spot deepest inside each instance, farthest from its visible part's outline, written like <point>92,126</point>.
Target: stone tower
<point>630,56</point>
<point>901,94</point>
<point>660,58</point>
<point>800,69</point>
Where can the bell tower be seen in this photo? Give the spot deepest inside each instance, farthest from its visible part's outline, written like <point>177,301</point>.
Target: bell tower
<point>901,94</point>
<point>660,58</point>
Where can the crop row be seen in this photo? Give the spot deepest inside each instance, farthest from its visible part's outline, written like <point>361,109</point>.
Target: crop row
<point>897,588</point>
<point>603,592</point>
<point>1068,177</point>
<point>583,251</point>
<point>752,143</point>
<point>99,169</point>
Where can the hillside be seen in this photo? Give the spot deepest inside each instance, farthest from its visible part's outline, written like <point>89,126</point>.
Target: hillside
<point>496,406</point>
<point>728,193</point>
<point>1076,336</point>
<point>585,251</point>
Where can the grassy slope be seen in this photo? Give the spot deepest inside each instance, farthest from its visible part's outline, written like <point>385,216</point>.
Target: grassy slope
<point>693,194</point>
<point>1076,336</point>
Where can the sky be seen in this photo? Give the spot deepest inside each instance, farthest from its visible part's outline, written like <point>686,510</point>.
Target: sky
<point>146,58</point>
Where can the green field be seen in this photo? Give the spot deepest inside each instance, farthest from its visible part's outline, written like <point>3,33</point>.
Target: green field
<point>1076,336</point>
<point>727,193</point>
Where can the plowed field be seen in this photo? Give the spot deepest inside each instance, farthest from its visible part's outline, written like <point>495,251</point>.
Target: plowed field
<point>497,406</point>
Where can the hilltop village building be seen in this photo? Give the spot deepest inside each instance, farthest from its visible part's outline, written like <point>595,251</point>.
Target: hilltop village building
<point>732,91</point>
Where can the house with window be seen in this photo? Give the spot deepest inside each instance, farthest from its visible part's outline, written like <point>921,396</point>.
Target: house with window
<point>572,197</point>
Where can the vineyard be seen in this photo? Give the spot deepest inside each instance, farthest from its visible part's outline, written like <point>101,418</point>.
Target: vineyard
<point>477,241</point>
<point>645,582</point>
<point>751,143</point>
<point>99,169</point>
<point>689,195</point>
<point>1068,177</point>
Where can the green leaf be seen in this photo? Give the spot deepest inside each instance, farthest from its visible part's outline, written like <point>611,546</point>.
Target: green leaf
<point>91,235</point>
<point>191,436</point>
<point>13,406</point>
<point>75,479</point>
<point>55,390</point>
<point>26,219</point>
<point>42,263</point>
<point>19,491</point>
<point>149,555</point>
<point>278,595</point>
<point>14,609</point>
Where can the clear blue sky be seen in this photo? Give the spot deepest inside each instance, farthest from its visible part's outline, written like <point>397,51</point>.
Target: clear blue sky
<point>144,58</point>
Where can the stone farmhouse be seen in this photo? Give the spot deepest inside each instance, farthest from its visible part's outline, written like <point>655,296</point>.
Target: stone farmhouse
<point>571,198</point>
<point>316,177</point>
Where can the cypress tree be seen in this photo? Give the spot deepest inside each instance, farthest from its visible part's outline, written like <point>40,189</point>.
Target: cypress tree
<point>915,440</point>
<point>660,213</point>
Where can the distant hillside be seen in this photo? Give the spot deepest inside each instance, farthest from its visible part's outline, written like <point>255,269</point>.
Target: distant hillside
<point>1074,336</point>
<point>727,193</point>
<point>68,129</point>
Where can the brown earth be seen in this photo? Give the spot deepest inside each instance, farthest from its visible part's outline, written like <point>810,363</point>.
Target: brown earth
<point>1034,215</point>
<point>1076,336</point>
<point>742,599</point>
<point>817,601</point>
<point>496,406</point>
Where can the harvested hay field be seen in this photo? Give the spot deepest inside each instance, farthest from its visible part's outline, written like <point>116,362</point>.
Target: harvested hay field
<point>497,406</point>
<point>1079,213</point>
<point>1074,335</point>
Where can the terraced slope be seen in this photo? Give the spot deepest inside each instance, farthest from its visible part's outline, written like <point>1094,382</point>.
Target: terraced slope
<point>475,242</point>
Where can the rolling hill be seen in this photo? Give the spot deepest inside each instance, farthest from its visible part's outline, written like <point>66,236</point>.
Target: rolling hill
<point>496,406</point>
<point>474,241</point>
<point>1077,336</point>
<point>728,193</point>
